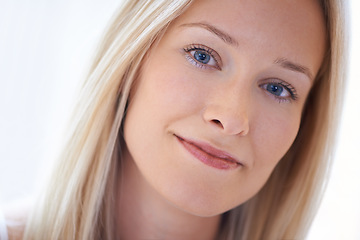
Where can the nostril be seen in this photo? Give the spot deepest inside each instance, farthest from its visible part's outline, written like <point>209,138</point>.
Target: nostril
<point>217,122</point>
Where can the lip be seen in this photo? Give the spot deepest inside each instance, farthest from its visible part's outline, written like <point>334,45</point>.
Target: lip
<point>209,155</point>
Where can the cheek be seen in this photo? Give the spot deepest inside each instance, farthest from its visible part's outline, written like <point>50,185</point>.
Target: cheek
<point>271,139</point>
<point>274,136</point>
<point>164,95</point>
<point>169,90</point>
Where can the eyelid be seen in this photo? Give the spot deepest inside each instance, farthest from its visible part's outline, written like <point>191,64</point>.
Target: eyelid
<point>193,47</point>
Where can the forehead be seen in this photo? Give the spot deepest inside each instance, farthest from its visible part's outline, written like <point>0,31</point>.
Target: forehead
<point>293,29</point>
<point>303,15</point>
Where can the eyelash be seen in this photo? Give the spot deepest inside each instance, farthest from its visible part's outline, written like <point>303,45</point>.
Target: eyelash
<point>199,47</point>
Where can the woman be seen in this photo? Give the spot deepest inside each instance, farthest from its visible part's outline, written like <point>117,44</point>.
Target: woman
<point>201,120</point>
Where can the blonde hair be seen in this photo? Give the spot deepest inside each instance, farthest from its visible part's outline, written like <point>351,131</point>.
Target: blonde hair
<point>80,195</point>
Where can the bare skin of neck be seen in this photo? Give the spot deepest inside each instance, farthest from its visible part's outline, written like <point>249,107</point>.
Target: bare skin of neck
<point>143,214</point>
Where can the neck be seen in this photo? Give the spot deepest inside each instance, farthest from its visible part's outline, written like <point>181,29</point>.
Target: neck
<point>143,214</point>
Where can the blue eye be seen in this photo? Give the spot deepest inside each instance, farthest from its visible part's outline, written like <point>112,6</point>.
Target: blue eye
<point>202,56</point>
<point>280,90</point>
<point>275,89</point>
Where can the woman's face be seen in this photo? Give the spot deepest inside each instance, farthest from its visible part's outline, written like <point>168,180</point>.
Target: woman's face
<point>219,99</point>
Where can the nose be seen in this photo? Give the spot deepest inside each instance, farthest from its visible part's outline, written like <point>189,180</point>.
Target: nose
<point>229,114</point>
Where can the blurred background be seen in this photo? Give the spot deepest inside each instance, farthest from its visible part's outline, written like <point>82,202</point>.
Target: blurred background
<point>45,47</point>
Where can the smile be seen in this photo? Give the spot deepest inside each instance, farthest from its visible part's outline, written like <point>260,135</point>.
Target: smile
<point>209,155</point>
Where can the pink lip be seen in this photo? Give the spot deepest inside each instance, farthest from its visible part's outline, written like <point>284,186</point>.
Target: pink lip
<point>209,155</point>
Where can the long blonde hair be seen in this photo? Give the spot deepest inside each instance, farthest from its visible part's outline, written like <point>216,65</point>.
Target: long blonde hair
<point>80,195</point>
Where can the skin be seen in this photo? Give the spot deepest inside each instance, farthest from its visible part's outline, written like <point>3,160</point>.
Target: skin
<point>226,103</point>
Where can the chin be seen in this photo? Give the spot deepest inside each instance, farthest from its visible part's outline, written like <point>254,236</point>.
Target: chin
<point>203,205</point>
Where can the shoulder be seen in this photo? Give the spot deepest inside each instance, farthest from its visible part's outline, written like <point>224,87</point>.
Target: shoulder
<point>15,218</point>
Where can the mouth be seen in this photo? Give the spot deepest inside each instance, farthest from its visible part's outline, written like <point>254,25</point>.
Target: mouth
<point>209,155</point>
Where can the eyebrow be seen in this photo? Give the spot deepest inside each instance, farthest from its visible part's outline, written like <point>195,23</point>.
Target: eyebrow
<point>222,35</point>
<point>287,64</point>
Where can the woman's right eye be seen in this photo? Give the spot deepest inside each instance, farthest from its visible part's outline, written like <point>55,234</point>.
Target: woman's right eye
<point>202,56</point>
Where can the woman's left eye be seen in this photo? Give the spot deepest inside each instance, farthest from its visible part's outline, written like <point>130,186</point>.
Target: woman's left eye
<point>202,56</point>
<point>281,91</point>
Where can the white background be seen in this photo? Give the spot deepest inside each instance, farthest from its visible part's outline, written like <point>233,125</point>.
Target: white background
<point>44,50</point>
